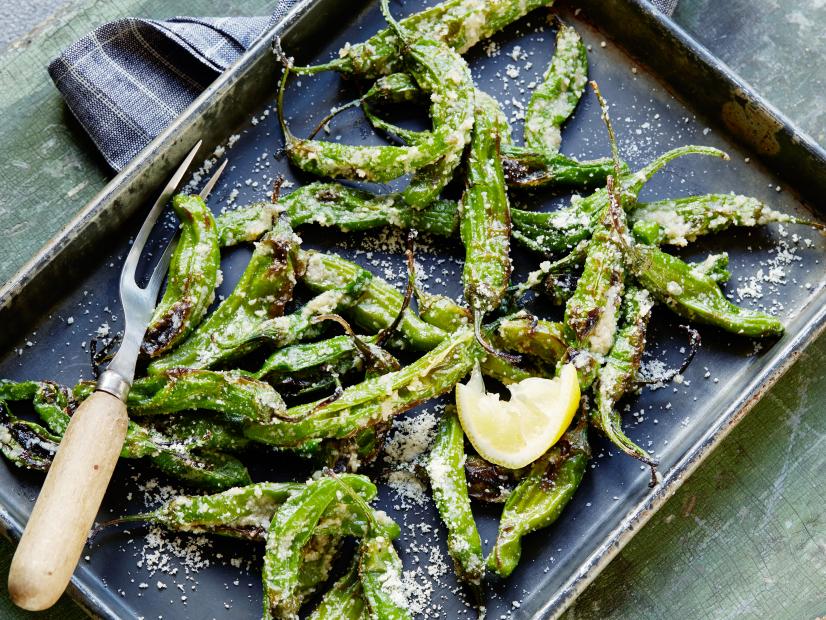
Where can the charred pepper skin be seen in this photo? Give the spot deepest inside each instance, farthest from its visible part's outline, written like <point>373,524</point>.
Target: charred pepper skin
<point>191,280</point>
<point>618,375</point>
<point>555,99</point>
<point>263,291</point>
<point>538,500</point>
<point>561,231</point>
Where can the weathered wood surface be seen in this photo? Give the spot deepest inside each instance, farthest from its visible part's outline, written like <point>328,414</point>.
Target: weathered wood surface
<point>745,537</point>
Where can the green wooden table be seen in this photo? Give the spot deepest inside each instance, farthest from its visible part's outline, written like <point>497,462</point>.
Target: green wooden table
<point>745,536</point>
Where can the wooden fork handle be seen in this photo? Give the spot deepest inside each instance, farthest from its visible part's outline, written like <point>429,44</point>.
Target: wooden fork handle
<point>67,505</point>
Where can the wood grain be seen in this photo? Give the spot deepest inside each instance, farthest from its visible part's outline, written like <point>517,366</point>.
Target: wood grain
<point>59,525</point>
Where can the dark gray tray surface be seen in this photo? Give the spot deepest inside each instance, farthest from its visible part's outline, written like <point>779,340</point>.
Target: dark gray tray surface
<point>648,121</point>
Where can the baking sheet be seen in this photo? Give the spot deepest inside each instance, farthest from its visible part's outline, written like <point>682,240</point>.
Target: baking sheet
<point>679,423</point>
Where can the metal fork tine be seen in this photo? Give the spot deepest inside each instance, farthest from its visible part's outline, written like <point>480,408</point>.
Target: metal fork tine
<point>212,181</point>
<point>130,264</point>
<point>159,272</point>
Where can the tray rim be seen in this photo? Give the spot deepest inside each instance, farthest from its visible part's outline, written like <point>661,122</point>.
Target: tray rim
<point>557,602</point>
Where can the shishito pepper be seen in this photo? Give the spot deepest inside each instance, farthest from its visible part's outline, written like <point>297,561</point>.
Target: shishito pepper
<point>678,221</point>
<point>556,97</point>
<point>262,292</point>
<point>192,277</point>
<point>619,373</point>
<point>695,295</point>
<point>336,205</point>
<point>445,468</point>
<point>440,72</point>
<point>538,500</point>
<point>458,24</point>
<point>485,216</point>
<point>376,400</point>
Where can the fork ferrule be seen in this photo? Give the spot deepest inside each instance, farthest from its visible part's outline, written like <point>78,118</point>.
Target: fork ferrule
<point>112,383</point>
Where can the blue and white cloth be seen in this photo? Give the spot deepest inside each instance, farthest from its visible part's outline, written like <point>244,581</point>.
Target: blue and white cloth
<point>128,79</point>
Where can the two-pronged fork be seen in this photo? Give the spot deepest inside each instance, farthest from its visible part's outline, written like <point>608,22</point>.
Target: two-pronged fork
<point>73,490</point>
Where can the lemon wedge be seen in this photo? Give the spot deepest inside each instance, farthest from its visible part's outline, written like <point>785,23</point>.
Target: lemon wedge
<point>516,432</point>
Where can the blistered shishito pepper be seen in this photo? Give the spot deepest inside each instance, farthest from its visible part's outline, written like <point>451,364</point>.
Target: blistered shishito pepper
<point>592,312</point>
<point>562,230</point>
<point>262,292</point>
<point>336,205</point>
<point>540,497</point>
<point>376,400</point>
<point>235,395</point>
<point>459,24</point>
<point>440,72</point>
<point>314,366</point>
<point>678,221</point>
<point>380,571</point>
<point>291,529</point>
<point>555,99</point>
<point>378,306</point>
<point>445,467</point>
<point>526,167</point>
<point>531,336</point>
<point>191,280</point>
<point>619,373</point>
<point>485,217</point>
<point>695,295</point>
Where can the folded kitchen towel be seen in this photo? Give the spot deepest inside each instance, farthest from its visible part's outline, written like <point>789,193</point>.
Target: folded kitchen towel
<point>128,79</point>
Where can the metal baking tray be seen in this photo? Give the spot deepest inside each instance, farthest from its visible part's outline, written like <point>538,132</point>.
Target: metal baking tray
<point>665,90</point>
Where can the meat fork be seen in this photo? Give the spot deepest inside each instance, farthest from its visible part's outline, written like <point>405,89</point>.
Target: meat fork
<point>73,490</point>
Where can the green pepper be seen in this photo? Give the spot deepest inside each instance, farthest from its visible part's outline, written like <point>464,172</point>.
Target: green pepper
<point>681,220</point>
<point>445,467</point>
<point>459,24</point>
<point>619,373</point>
<point>694,295</point>
<point>555,99</point>
<point>291,529</point>
<point>376,400</point>
<point>333,204</point>
<point>344,601</point>
<point>262,292</point>
<point>377,307</point>
<point>485,217</point>
<point>437,70</point>
<point>231,393</point>
<point>192,278</point>
<point>540,497</point>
